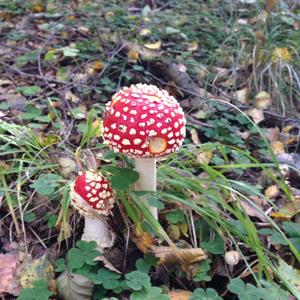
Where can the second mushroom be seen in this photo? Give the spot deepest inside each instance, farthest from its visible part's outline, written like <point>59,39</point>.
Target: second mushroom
<point>144,123</point>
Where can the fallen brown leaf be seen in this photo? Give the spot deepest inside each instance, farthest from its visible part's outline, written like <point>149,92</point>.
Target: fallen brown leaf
<point>288,211</point>
<point>263,100</point>
<point>143,240</point>
<point>194,136</point>
<point>204,157</point>
<point>179,295</point>
<point>153,46</point>
<point>168,255</point>
<point>257,115</point>
<point>278,147</point>
<point>272,191</point>
<point>242,95</point>
<point>9,282</point>
<point>252,210</point>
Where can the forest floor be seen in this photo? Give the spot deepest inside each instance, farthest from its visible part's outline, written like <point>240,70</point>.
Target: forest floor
<point>228,200</point>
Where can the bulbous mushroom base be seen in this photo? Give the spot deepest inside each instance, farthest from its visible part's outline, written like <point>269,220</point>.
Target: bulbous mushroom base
<point>96,229</point>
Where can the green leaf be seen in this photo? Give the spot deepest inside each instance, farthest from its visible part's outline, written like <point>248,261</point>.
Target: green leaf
<point>153,293</point>
<point>215,246</point>
<point>153,201</point>
<point>39,291</point>
<point>86,246</point>
<point>290,274</point>
<point>144,265</point>
<point>76,259</point>
<point>202,270</point>
<point>136,280</point>
<point>29,217</point>
<point>29,90</point>
<point>110,280</point>
<point>176,216</point>
<point>60,265</point>
<point>31,112</point>
<point>46,183</point>
<point>244,291</point>
<point>69,52</point>
<point>208,294</point>
<point>122,178</point>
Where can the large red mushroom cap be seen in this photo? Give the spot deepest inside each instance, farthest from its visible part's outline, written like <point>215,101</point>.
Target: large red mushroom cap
<point>143,121</point>
<point>92,194</point>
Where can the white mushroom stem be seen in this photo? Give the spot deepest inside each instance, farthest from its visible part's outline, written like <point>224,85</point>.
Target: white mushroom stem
<point>96,229</point>
<point>95,226</point>
<point>146,167</point>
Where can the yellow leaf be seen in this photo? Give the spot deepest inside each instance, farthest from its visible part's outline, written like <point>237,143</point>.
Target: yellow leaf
<point>179,295</point>
<point>193,46</point>
<point>287,129</point>
<point>98,128</point>
<point>71,97</point>
<point>272,191</point>
<point>194,136</point>
<point>145,32</point>
<point>242,95</point>
<point>109,15</point>
<point>38,8</point>
<point>133,55</point>
<point>35,269</point>
<point>153,46</point>
<point>288,211</point>
<point>205,156</point>
<point>257,115</point>
<point>72,18</point>
<point>263,100</point>
<point>281,55</point>
<point>174,232</point>
<point>98,65</point>
<point>143,240</point>
<point>184,229</point>
<point>278,147</point>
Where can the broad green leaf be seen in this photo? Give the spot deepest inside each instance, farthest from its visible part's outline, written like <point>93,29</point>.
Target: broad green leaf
<point>76,259</point>
<point>215,246</point>
<point>29,90</point>
<point>39,291</point>
<point>208,294</point>
<point>46,183</point>
<point>136,280</point>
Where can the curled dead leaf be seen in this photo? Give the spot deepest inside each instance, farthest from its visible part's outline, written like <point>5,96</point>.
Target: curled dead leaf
<point>153,46</point>
<point>242,95</point>
<point>67,166</point>
<point>133,55</point>
<point>195,136</point>
<point>288,211</point>
<point>204,157</point>
<point>169,255</point>
<point>193,46</point>
<point>143,240</point>
<point>278,147</point>
<point>257,115</point>
<point>263,100</point>
<point>272,191</point>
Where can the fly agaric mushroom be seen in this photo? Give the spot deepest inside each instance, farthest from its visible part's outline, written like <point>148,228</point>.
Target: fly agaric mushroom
<point>93,197</point>
<point>144,123</point>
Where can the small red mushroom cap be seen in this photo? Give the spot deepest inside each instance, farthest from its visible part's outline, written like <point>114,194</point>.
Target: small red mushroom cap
<point>92,194</point>
<point>143,121</point>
